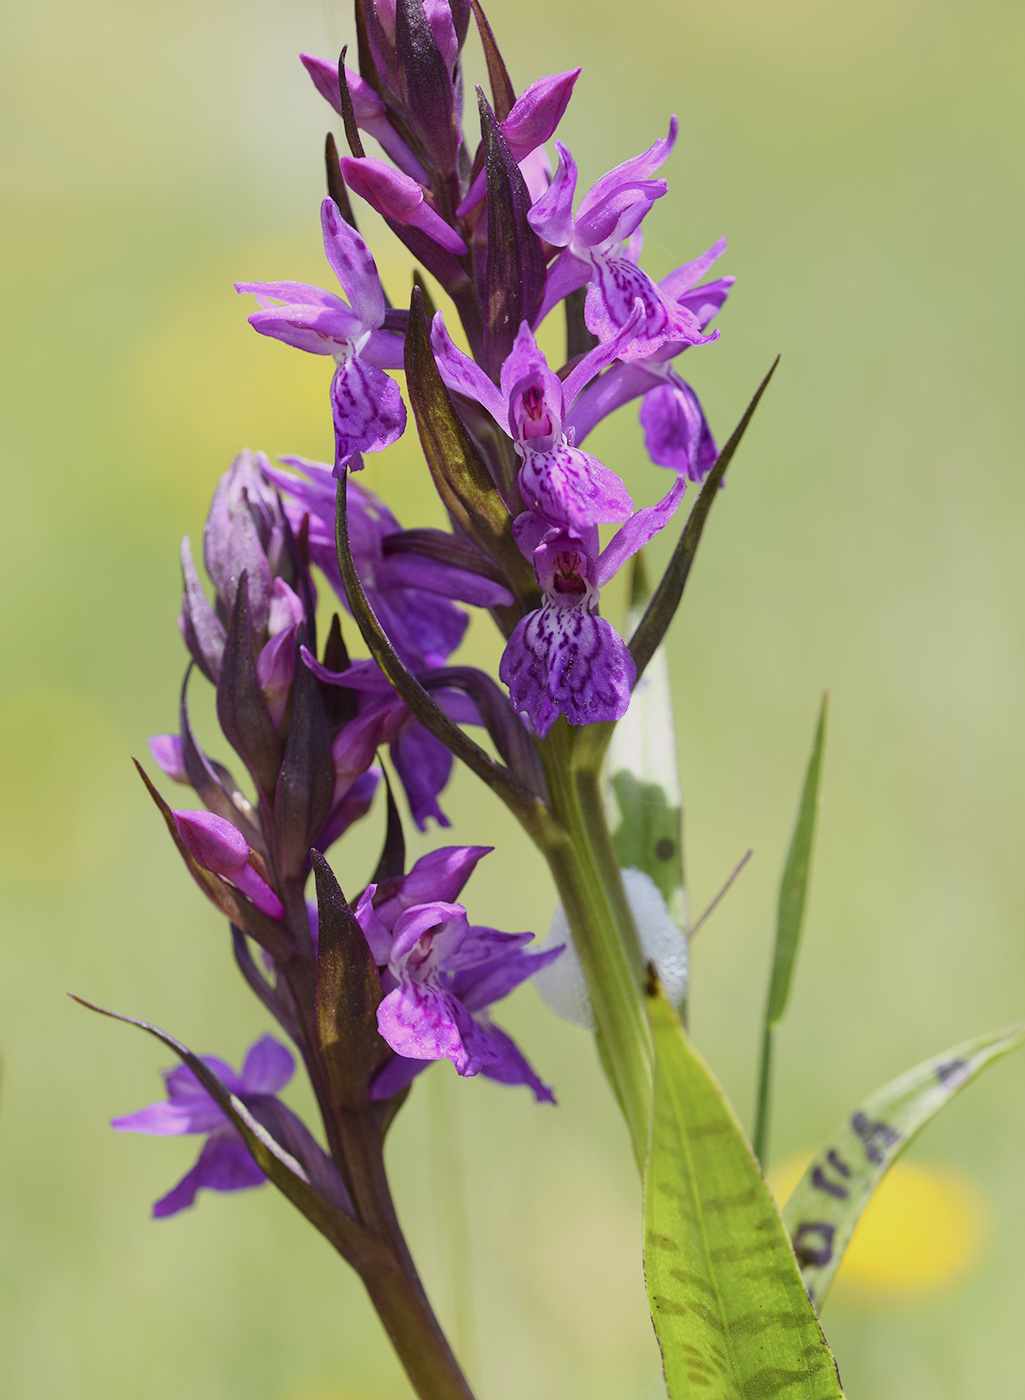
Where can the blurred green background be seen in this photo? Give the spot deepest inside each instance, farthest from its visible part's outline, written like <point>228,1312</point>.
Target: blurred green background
<point>865,163</point>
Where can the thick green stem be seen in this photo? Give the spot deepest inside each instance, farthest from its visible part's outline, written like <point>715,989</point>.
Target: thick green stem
<point>586,873</point>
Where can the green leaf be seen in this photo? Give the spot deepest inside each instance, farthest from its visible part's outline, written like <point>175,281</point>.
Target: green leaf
<point>793,889</point>
<point>730,1311</point>
<point>828,1201</point>
<point>793,893</point>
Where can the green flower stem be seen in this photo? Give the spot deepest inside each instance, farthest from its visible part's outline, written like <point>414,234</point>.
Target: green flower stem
<point>586,872</point>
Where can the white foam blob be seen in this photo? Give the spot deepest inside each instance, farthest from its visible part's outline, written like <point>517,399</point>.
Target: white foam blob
<point>561,984</point>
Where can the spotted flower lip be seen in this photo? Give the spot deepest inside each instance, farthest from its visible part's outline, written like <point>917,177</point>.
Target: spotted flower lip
<point>367,407</point>
<point>224,1162</point>
<point>563,659</point>
<point>440,974</point>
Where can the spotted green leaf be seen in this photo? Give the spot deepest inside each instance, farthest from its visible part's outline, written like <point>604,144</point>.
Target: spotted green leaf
<point>828,1200</point>
<point>731,1314</point>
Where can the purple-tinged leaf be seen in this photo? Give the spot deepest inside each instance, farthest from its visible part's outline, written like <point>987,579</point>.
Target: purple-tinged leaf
<point>666,598</point>
<point>340,703</point>
<point>219,796</point>
<point>201,627</point>
<point>348,995</point>
<point>392,862</point>
<point>345,107</point>
<point>336,187</point>
<point>503,94</point>
<point>305,785</point>
<point>278,1005</point>
<point>425,85</point>
<point>241,708</point>
<point>515,271</point>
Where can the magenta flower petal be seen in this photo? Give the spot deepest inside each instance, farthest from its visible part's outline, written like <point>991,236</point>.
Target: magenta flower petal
<point>268,1067</point>
<point>224,1164</point>
<point>676,432</point>
<point>369,414</point>
<point>567,661</point>
<point>552,215</point>
<point>569,486</point>
<point>214,842</point>
<point>353,265</point>
<point>167,754</point>
<point>423,1021</point>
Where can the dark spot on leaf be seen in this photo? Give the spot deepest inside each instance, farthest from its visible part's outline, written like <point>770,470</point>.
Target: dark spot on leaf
<point>690,1280</point>
<point>821,1182</point>
<point>875,1137</point>
<point>813,1242</point>
<point>665,849</point>
<point>663,1242</point>
<point>742,1198</point>
<point>712,1319</point>
<point>774,1379</point>
<point>953,1073</point>
<point>670,1306</point>
<point>750,1324</point>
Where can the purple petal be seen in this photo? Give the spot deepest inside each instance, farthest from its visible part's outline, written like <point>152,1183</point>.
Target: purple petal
<point>396,1074</point>
<point>682,279</point>
<point>537,112</point>
<point>643,526</point>
<point>637,169</point>
<point>552,216</point>
<point>567,273</point>
<point>428,221</point>
<point>602,397</point>
<point>286,608</point>
<point>170,1119</point>
<point>446,580</point>
<point>353,265</point>
<point>424,766</point>
<point>257,889</point>
<point>324,74</point>
<point>570,487</point>
<point>567,661</point>
<point>676,432</point>
<point>212,841</point>
<point>440,874</point>
<point>705,302</point>
<point>496,979</point>
<point>426,938</point>
<point>511,1067</point>
<point>376,932</point>
<point>167,754</point>
<point>355,804</point>
<point>423,1021</point>
<point>617,286</point>
<point>268,1067</point>
<point>224,1164</point>
<point>369,414</point>
<point>275,672</point>
<point>464,375</point>
<point>184,1088</point>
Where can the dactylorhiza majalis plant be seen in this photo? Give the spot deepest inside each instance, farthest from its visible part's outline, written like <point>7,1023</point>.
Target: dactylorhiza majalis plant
<point>371,985</point>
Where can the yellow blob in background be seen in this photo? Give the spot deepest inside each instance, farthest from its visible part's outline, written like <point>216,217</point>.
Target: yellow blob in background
<point>925,1229</point>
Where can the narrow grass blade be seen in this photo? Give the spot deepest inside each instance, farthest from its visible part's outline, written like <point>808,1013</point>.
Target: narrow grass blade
<point>730,1311</point>
<point>828,1201</point>
<point>793,894</point>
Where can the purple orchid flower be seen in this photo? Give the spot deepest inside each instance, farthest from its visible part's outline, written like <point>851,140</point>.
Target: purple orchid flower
<point>222,849</point>
<point>593,251</point>
<point>368,411</point>
<point>410,594</point>
<point>440,974</point>
<point>563,484</point>
<point>564,659</point>
<point>370,112</point>
<point>224,1163</point>
<point>532,120</point>
<point>676,431</point>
